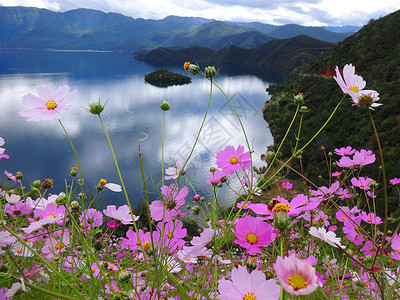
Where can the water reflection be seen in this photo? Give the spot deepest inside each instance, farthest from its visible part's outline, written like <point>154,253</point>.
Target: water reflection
<point>41,150</point>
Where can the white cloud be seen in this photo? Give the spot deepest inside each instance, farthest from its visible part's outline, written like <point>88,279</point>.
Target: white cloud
<point>311,13</point>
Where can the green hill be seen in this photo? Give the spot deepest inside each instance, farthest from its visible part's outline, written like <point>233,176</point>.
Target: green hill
<point>284,54</point>
<point>375,52</point>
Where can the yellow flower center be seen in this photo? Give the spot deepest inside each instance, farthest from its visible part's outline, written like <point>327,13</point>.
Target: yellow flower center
<point>103,182</point>
<point>366,284</point>
<point>59,246</point>
<point>186,66</point>
<point>233,161</point>
<point>249,296</point>
<point>281,207</point>
<point>52,215</point>
<point>353,88</point>
<point>146,245</point>
<point>251,238</point>
<point>168,266</point>
<point>19,250</point>
<point>297,282</point>
<point>50,105</point>
<point>170,235</point>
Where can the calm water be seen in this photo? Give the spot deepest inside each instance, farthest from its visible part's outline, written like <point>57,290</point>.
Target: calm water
<point>41,149</point>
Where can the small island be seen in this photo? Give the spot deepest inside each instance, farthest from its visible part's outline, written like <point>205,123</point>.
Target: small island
<point>164,78</point>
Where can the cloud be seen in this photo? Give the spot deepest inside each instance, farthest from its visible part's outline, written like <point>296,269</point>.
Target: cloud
<point>278,12</point>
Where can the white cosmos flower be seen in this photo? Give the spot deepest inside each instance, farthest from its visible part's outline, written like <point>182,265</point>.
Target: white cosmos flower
<point>329,237</point>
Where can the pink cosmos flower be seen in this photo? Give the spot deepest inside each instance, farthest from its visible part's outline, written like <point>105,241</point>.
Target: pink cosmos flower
<point>345,151</point>
<point>395,245</point>
<point>144,239</point>
<point>11,176</point>
<point>253,233</point>
<point>91,218</point>
<point>296,277</point>
<point>47,105</point>
<point>352,230</point>
<point>2,155</point>
<point>350,82</point>
<point>18,209</point>
<point>253,286</point>
<point>123,214</point>
<point>370,218</point>
<point>198,243</point>
<point>336,174</point>
<point>230,159</point>
<point>343,193</point>
<point>360,158</point>
<point>13,198</point>
<point>168,207</point>
<point>216,178</point>
<point>287,185</point>
<point>173,173</point>
<point>174,234</point>
<point>362,183</point>
<point>394,181</point>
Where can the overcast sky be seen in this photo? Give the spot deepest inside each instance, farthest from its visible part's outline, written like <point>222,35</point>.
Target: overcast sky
<point>277,12</point>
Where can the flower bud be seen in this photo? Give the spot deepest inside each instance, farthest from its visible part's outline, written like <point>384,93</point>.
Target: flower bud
<point>19,175</point>
<point>36,184</point>
<point>188,206</point>
<point>373,184</point>
<point>75,206</point>
<point>298,99</point>
<point>191,68</point>
<point>281,219</point>
<point>61,200</point>
<point>210,71</point>
<point>196,210</point>
<point>304,109</point>
<point>196,198</point>
<point>101,184</point>
<point>73,172</point>
<point>95,107</point>
<point>165,105</point>
<point>251,263</point>
<point>124,275</point>
<point>48,183</point>
<point>213,169</point>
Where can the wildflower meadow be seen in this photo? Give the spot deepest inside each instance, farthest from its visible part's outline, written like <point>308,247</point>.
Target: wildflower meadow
<point>282,237</point>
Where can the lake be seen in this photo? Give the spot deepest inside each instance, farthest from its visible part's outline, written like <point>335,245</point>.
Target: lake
<point>41,150</point>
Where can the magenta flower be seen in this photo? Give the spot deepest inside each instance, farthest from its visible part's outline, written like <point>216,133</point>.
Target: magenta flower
<point>253,233</point>
<point>2,155</point>
<point>394,181</point>
<point>168,207</point>
<point>362,183</point>
<point>123,214</point>
<point>47,105</point>
<point>352,230</point>
<point>345,151</point>
<point>336,174</point>
<point>296,277</point>
<point>112,224</point>
<point>287,185</point>
<point>230,160</point>
<point>245,286</point>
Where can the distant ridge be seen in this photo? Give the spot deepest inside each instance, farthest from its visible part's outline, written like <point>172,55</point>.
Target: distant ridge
<point>27,27</point>
<point>285,54</point>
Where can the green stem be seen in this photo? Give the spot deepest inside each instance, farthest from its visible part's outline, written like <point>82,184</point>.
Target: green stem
<point>56,272</point>
<point>80,182</point>
<point>309,142</point>
<point>162,149</point>
<point>42,290</point>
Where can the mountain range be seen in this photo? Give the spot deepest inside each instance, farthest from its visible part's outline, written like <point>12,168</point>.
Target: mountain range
<point>27,27</point>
